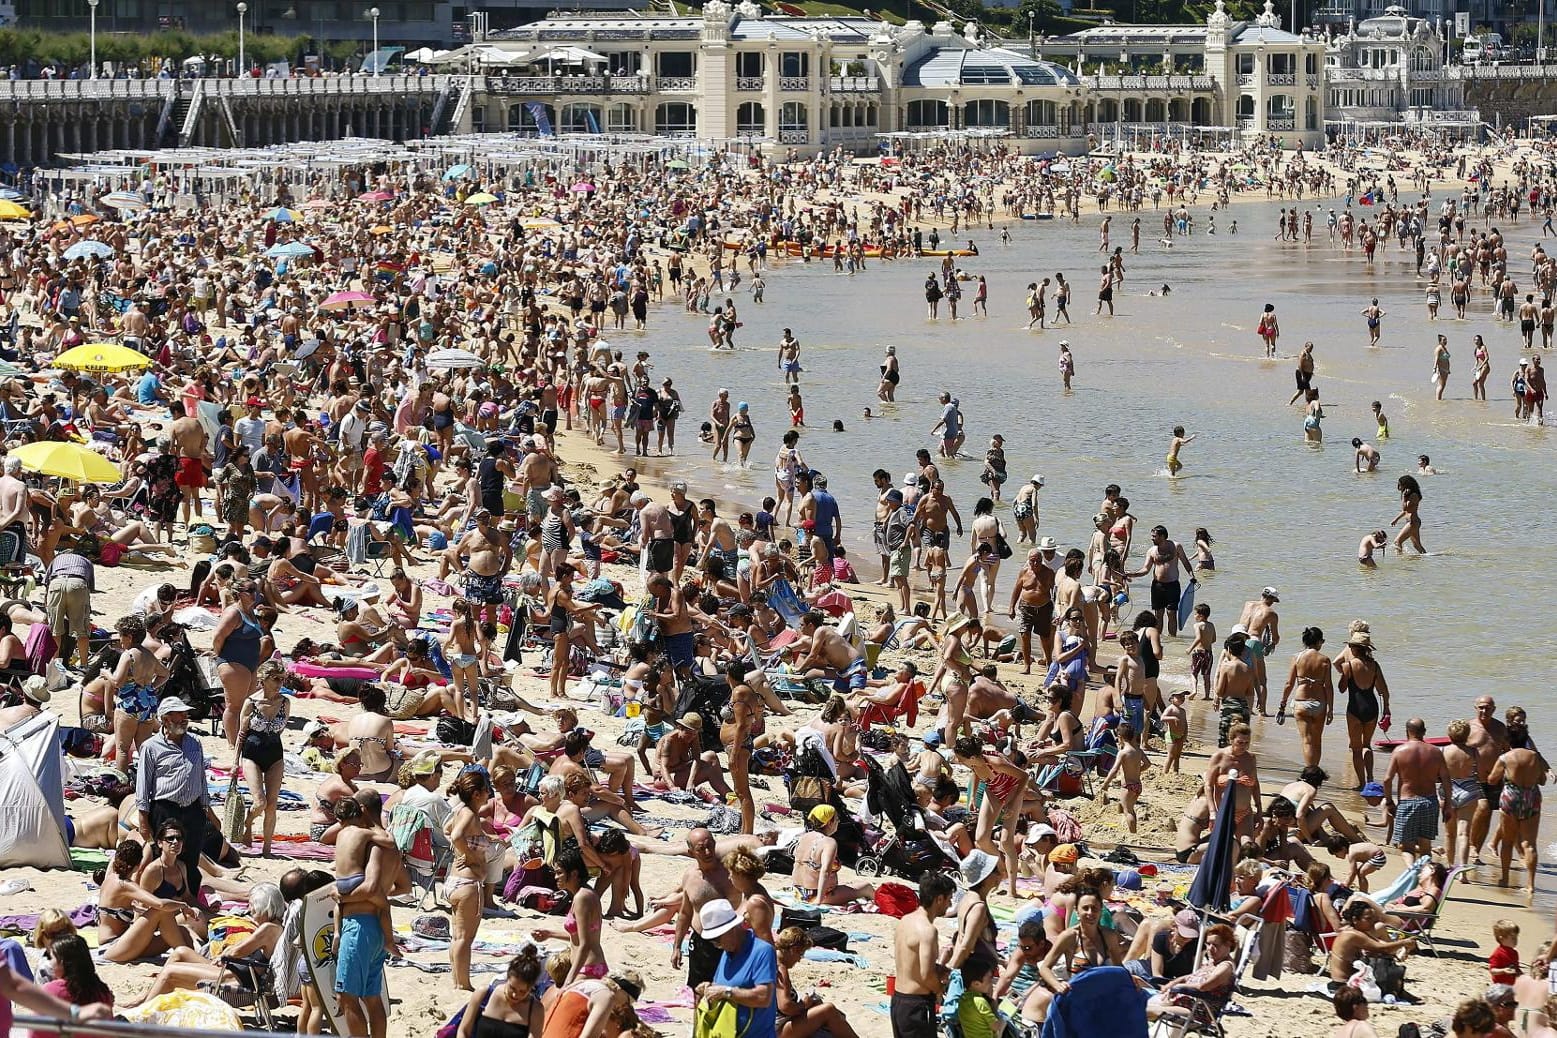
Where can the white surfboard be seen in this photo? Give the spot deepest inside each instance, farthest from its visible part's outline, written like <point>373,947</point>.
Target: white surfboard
<point>318,929</point>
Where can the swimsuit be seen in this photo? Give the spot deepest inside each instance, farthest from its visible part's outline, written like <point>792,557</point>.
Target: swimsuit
<point>1416,818</point>
<point>486,589</point>
<point>1362,703</point>
<point>139,701</point>
<point>1520,802</point>
<point>1466,791</point>
<point>262,744</point>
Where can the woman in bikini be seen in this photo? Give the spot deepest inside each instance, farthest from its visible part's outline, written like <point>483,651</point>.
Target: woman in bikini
<point>1410,503</point>
<point>1235,756</point>
<point>510,1008</point>
<point>135,679</point>
<point>1309,680</point>
<point>1000,787</point>
<point>164,875</point>
<point>1367,701</point>
<point>463,651</point>
<point>467,876</point>
<point>1085,946</point>
<point>581,926</point>
<point>1061,731</point>
<point>817,865</point>
<point>372,734</point>
<point>323,826</point>
<point>133,922</point>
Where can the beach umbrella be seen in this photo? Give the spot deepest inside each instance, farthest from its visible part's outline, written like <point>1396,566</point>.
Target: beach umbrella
<point>281,214</point>
<point>101,356</point>
<point>10,210</point>
<point>481,198</point>
<point>92,249</point>
<point>453,360</point>
<point>455,172</point>
<point>376,196</point>
<point>123,200</point>
<point>346,300</point>
<point>583,187</point>
<point>289,250</point>
<point>1211,890</point>
<point>67,461</point>
<point>10,194</point>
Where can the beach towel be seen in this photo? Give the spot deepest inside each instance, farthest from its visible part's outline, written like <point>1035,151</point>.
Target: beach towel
<point>1102,1003</point>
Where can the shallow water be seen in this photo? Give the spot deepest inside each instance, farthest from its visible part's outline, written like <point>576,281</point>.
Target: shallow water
<point>1463,621</point>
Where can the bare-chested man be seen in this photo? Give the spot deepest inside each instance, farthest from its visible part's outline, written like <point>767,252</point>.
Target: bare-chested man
<point>918,963</point>
<point>1033,597</point>
<point>189,438</point>
<point>1233,685</point>
<point>1489,738</point>
<point>15,499</point>
<point>680,761</point>
<point>829,656</point>
<point>1162,561</point>
<point>489,558</point>
<point>705,880</point>
<point>675,621</point>
<point>537,474</point>
<point>1418,772</point>
<point>369,871</point>
<point>1263,625</point>
<point>932,519</point>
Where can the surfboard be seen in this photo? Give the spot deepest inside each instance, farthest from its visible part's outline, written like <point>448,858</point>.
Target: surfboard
<point>1388,745</point>
<point>318,930</point>
<point>1187,603</point>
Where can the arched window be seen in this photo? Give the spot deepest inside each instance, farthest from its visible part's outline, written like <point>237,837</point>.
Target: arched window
<point>986,112</point>
<point>926,113</point>
<point>580,118</point>
<point>751,117</point>
<point>675,117</point>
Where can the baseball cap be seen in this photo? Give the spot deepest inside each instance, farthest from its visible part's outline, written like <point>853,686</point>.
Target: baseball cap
<point>424,763</point>
<point>1271,594</point>
<point>932,739</point>
<point>173,705</point>
<point>1187,923</point>
<point>1040,831</point>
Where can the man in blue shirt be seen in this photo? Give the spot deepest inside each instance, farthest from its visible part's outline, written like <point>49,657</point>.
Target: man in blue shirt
<point>148,391</point>
<point>829,521</point>
<point>747,975</point>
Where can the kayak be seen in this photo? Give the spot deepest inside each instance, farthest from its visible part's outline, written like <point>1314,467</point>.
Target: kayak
<point>948,252</point>
<point>1387,745</point>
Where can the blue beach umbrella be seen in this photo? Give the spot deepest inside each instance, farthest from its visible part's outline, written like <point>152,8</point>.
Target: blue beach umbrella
<point>1212,889</point>
<point>455,172</point>
<point>289,250</point>
<point>281,214</point>
<point>83,249</point>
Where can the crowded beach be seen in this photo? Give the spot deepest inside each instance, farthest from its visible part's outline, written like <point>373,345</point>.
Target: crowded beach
<point>380,663</point>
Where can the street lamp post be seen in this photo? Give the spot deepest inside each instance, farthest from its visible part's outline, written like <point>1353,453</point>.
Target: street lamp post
<point>373,14</point>
<point>1031,47</point>
<point>243,68</point>
<point>92,34</point>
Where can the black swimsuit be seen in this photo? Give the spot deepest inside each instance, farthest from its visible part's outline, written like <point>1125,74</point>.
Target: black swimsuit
<point>1362,703</point>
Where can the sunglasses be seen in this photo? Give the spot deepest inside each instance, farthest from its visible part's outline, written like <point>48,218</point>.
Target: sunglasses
<point>171,838</point>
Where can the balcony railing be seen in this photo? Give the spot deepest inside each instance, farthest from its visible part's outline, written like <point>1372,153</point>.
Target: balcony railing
<point>794,136</point>
<point>1274,123</point>
<point>748,84</point>
<point>1174,82</point>
<point>1041,132</point>
<point>1281,79</point>
<point>854,84</point>
<point>794,84</point>
<point>676,84</point>
<point>1245,79</point>
<point>148,89</point>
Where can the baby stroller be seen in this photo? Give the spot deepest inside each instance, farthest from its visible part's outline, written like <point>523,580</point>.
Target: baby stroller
<point>908,850</point>
<point>811,783</point>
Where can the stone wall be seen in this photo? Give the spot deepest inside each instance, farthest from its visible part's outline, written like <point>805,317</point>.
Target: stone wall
<point>1504,101</point>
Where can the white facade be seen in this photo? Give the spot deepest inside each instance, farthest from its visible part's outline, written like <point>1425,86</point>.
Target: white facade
<point>824,82</point>
<point>1390,68</point>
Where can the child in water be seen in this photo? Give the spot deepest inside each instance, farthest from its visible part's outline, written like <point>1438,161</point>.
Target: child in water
<point>1175,728</point>
<point>1179,442</point>
<point>1382,419</point>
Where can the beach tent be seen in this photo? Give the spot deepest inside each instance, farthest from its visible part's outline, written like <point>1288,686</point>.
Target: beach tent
<point>32,822</point>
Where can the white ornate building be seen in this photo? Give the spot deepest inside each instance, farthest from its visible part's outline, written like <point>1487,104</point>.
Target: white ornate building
<point>1390,68</point>
<point>818,82</point>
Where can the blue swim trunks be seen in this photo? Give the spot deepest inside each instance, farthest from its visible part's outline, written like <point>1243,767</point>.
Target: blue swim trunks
<point>359,961</point>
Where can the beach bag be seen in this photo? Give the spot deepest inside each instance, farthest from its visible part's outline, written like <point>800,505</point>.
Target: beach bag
<point>235,812</point>
<point>455,731</point>
<point>718,1020</point>
<point>1389,974</point>
<point>896,900</point>
<point>109,553</point>
<point>1298,955</point>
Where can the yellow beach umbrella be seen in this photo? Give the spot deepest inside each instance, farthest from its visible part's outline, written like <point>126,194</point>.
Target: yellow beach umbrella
<point>481,198</point>
<point>67,461</point>
<point>101,356</point>
<point>13,211</point>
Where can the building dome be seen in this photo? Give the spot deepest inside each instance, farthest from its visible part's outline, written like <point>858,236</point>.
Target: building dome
<point>1393,24</point>
<point>977,66</point>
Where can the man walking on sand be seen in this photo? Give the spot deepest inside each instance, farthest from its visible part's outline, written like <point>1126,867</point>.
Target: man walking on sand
<point>920,973</point>
<point>1417,770</point>
<point>705,880</point>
